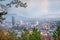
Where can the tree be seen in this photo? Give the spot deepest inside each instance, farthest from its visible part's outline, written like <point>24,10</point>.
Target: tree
<point>35,35</point>
<point>2,36</point>
<point>25,35</point>
<point>13,35</point>
<point>56,34</point>
<point>3,11</point>
<point>17,3</point>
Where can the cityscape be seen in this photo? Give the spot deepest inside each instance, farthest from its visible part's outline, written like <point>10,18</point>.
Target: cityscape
<point>29,20</point>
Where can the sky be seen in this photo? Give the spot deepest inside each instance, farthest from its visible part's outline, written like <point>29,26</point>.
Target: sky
<point>36,9</point>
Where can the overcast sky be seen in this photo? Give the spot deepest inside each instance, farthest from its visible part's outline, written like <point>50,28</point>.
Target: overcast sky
<point>37,9</point>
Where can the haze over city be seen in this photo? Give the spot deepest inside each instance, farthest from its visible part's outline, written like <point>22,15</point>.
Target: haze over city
<point>29,19</point>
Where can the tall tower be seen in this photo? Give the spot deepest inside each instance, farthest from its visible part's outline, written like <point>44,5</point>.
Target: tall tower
<point>13,21</point>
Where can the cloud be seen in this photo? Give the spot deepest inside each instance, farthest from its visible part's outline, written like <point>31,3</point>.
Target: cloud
<point>34,7</point>
<point>37,8</point>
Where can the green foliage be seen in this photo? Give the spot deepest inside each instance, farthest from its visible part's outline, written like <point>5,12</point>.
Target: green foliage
<point>3,11</point>
<point>17,4</point>
<point>11,35</point>
<point>56,34</point>
<point>25,34</point>
<point>35,35</point>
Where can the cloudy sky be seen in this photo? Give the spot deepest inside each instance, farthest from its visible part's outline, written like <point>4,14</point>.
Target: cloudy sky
<point>36,9</point>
